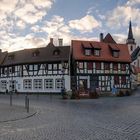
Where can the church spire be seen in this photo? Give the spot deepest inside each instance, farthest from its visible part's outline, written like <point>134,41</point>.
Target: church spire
<point>130,39</point>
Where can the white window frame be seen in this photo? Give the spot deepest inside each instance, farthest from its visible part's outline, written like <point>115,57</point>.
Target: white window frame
<point>3,84</point>
<point>59,83</point>
<point>27,84</point>
<point>38,84</point>
<point>48,84</point>
<point>88,52</point>
<point>97,52</point>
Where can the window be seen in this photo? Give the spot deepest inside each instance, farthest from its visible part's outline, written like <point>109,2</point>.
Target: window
<point>116,80</point>
<point>27,84</point>
<point>115,66</point>
<point>36,67</point>
<point>56,52</point>
<point>3,85</point>
<point>35,53</point>
<point>89,65</point>
<point>81,65</point>
<point>11,69</point>
<point>49,66</point>
<point>115,54</point>
<point>3,69</point>
<point>106,66</point>
<point>11,56</point>
<point>98,65</point>
<point>131,48</point>
<point>48,83</point>
<point>123,67</point>
<point>37,83</point>
<point>87,52</point>
<point>59,83</point>
<point>97,52</point>
<point>123,80</point>
<point>54,66</point>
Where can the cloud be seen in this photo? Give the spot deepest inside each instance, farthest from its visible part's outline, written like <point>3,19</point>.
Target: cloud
<point>133,2</point>
<point>119,38</point>
<point>29,14</point>
<point>20,24</point>
<point>21,14</point>
<point>85,24</point>
<point>136,31</point>
<point>121,15</point>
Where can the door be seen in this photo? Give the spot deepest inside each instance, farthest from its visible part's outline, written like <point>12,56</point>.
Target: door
<point>94,82</point>
<point>12,85</point>
<point>83,86</point>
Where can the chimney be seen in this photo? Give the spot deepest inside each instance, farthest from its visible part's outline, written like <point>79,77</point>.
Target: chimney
<point>60,40</point>
<point>101,37</point>
<point>51,40</point>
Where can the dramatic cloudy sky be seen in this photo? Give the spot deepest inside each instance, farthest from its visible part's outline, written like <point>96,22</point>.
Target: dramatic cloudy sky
<point>30,23</point>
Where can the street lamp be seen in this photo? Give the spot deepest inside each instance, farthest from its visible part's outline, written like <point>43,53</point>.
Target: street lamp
<point>63,80</point>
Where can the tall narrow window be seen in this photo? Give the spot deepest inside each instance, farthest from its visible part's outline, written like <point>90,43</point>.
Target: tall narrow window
<point>89,65</point>
<point>123,80</point>
<point>116,80</point>
<point>106,66</point>
<point>123,67</point>
<point>131,48</point>
<point>98,65</point>
<point>115,66</point>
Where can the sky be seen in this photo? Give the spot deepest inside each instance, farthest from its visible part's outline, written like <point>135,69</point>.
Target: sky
<point>31,23</point>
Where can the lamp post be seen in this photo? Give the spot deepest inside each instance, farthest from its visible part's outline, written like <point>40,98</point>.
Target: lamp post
<point>63,80</point>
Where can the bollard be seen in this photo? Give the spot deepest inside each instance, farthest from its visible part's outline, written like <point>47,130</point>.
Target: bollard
<point>26,101</point>
<point>27,105</point>
<point>11,99</point>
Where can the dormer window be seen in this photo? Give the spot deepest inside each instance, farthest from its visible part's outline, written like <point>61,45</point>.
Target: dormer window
<point>35,53</point>
<point>56,52</point>
<point>11,56</point>
<point>114,50</point>
<point>96,52</point>
<point>115,53</point>
<point>88,52</point>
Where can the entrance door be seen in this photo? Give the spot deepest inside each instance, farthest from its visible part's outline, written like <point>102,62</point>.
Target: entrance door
<point>94,82</point>
<point>12,85</point>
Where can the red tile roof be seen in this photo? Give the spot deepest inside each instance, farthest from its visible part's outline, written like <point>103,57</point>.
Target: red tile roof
<point>105,55</point>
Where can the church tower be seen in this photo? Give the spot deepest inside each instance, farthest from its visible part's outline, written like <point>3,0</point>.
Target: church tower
<point>132,44</point>
<point>130,40</point>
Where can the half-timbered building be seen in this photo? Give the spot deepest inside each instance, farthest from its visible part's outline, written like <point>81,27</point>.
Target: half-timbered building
<point>38,70</point>
<point>100,64</point>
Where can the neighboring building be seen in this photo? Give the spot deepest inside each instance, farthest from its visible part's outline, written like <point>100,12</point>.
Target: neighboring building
<point>132,45</point>
<point>100,64</point>
<point>38,70</point>
<point>138,75</point>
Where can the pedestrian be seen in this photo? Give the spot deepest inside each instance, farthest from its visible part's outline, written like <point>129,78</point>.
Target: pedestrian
<point>114,90</point>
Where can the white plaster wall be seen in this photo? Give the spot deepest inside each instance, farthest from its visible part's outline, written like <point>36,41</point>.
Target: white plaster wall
<point>20,88</point>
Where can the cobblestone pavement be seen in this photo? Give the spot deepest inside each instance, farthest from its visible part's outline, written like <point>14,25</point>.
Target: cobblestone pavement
<point>106,118</point>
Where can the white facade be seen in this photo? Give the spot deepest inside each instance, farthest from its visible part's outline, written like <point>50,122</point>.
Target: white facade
<point>45,78</point>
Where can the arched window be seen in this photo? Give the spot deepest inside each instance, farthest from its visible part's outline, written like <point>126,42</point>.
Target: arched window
<point>131,48</point>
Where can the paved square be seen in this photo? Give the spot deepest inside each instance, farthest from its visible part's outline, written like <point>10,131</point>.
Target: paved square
<point>106,118</point>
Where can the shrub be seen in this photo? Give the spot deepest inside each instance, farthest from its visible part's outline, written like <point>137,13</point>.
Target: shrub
<point>75,94</point>
<point>127,93</point>
<point>120,94</point>
<point>93,95</point>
